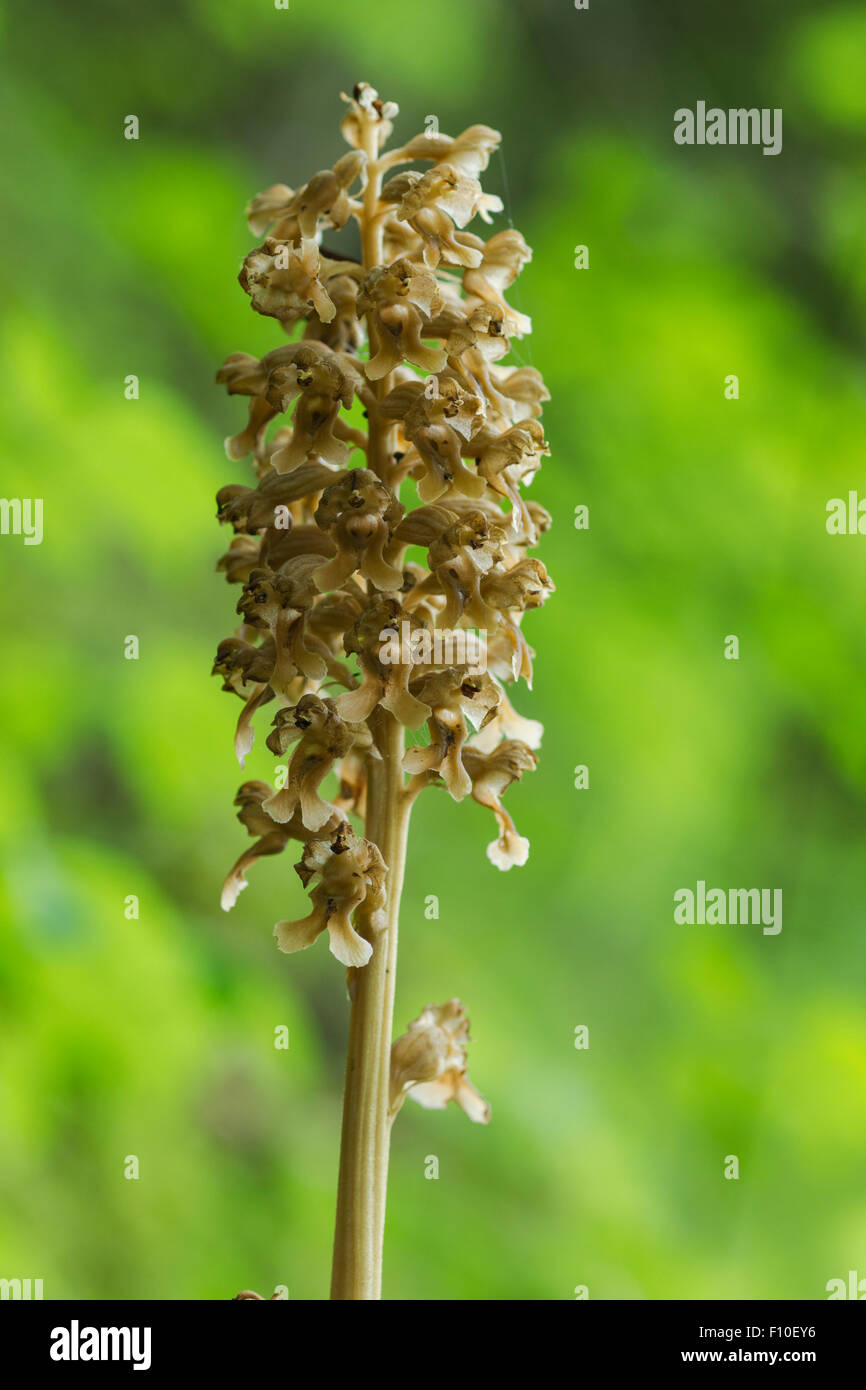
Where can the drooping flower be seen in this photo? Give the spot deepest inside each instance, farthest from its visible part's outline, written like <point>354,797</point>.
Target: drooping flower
<point>359,514</point>
<point>351,881</point>
<point>510,592</point>
<point>435,204</point>
<point>401,300</point>
<point>322,738</point>
<point>438,425</point>
<point>322,382</point>
<point>468,152</point>
<point>272,838</point>
<point>491,775</point>
<point>455,697</point>
<point>385,676</point>
<point>294,216</point>
<point>279,600</point>
<point>289,282</point>
<point>502,260</point>
<point>428,1063</point>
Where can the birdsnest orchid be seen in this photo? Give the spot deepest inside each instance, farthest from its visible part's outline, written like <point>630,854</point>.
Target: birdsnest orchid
<point>389,420</point>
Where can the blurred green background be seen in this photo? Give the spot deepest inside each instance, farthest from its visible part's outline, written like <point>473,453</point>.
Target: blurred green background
<point>155,1037</point>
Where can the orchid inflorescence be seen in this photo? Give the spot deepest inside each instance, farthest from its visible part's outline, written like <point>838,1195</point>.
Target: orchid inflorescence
<point>398,427</point>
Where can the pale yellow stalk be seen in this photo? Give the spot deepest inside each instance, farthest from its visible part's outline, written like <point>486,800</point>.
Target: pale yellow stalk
<point>364,1147</point>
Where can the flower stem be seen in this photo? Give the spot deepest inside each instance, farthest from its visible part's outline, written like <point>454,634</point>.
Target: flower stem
<point>361,1195</point>
<point>364,1147</point>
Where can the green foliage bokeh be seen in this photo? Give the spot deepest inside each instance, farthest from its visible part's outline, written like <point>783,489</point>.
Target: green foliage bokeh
<point>154,1037</point>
